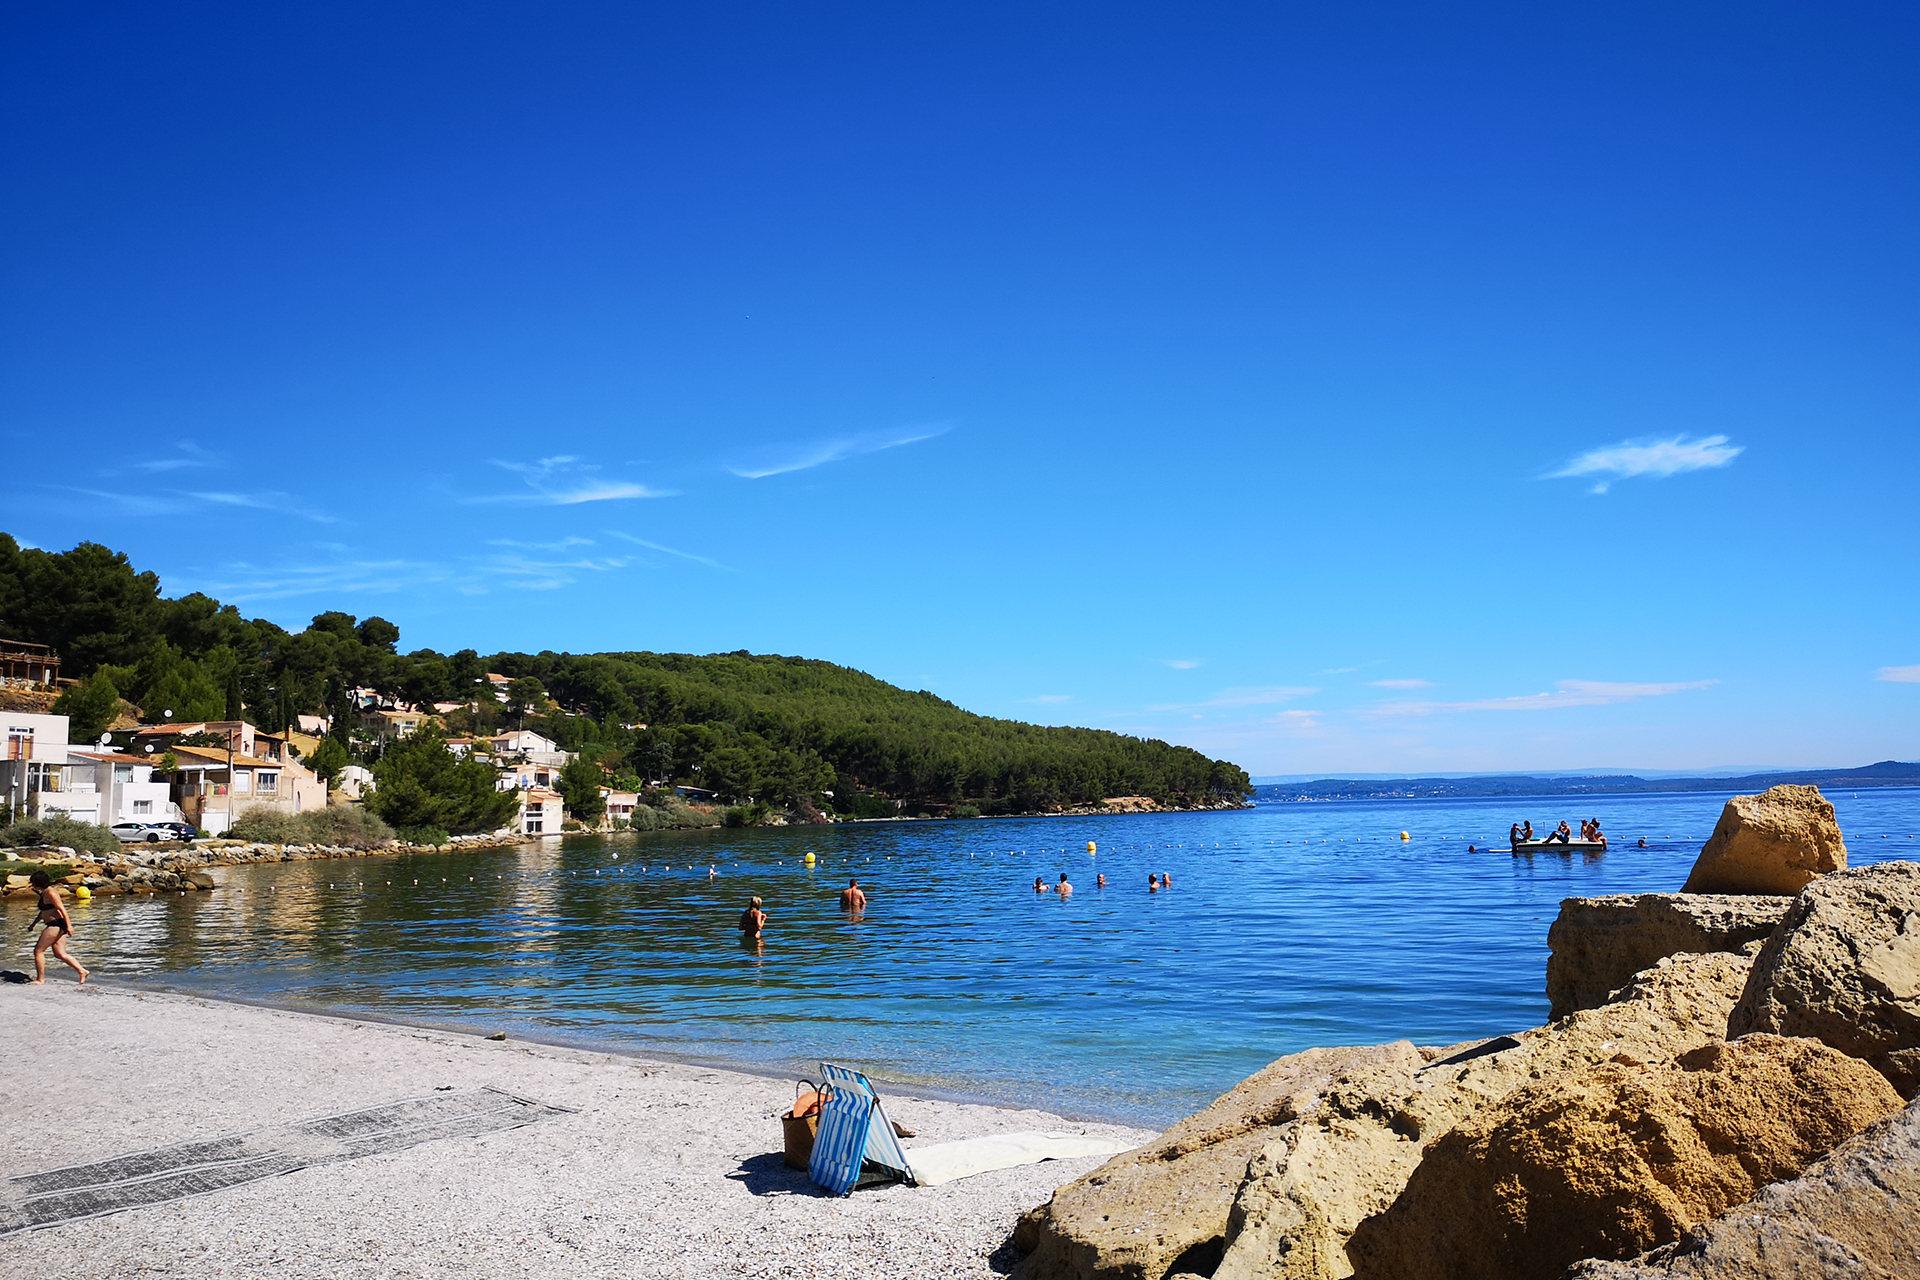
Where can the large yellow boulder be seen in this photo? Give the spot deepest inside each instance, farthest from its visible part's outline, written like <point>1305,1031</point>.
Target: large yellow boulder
<point>1775,842</point>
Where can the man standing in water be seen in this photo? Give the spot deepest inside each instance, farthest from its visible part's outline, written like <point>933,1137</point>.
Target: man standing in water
<point>1063,888</point>
<point>851,899</point>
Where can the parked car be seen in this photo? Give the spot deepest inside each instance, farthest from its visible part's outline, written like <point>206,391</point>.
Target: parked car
<point>178,830</point>
<point>140,832</point>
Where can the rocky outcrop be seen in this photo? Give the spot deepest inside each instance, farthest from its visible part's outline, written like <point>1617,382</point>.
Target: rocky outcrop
<point>1163,1208</point>
<point>1597,944</point>
<point>1612,1162</point>
<point>1775,842</point>
<point>1274,1178</point>
<point>1855,1213</point>
<point>1844,968</point>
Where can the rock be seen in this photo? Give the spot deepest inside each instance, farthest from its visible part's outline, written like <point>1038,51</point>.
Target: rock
<point>1163,1208</point>
<point>17,882</point>
<point>1844,968</point>
<point>1613,1162</point>
<point>1855,1213</point>
<point>1775,842</point>
<point>64,852</point>
<point>198,879</point>
<point>1273,1178</point>
<point>498,1035</point>
<point>1597,944</point>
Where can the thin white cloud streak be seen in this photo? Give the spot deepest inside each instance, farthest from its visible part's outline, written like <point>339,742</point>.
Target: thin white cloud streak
<point>1260,697</point>
<point>1566,693</point>
<point>277,502</point>
<point>1657,459</point>
<point>806,457</point>
<point>190,455</point>
<point>1402,684</point>
<point>665,550</point>
<point>1182,664</point>
<point>1899,675</point>
<point>555,482</point>
<point>561,545</point>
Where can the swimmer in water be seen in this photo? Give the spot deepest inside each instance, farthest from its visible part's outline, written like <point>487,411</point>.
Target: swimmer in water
<point>1153,883</point>
<point>851,898</point>
<point>1063,888</point>
<point>1100,881</point>
<point>1166,880</point>
<point>753,919</point>
<point>1039,884</point>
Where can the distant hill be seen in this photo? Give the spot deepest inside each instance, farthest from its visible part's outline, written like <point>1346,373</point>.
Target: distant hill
<point>1888,773</point>
<point>754,728</point>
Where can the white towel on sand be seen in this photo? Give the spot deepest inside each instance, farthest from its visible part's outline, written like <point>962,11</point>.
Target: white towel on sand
<point>944,1161</point>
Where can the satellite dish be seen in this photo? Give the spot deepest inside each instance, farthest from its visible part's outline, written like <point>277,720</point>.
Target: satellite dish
<point>149,748</point>
<point>168,713</point>
<point>106,739</point>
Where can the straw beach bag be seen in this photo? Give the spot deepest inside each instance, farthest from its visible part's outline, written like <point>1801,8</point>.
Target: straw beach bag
<point>801,1125</point>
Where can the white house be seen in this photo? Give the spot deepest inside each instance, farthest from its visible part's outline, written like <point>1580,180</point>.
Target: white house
<point>125,787</point>
<point>33,764</point>
<point>619,804</point>
<point>541,812</point>
<point>524,741</point>
<point>354,781</point>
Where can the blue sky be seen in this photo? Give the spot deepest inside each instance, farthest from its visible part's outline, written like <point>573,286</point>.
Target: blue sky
<point>1359,387</point>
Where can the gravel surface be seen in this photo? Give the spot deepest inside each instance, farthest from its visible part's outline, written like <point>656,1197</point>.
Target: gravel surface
<point>664,1170</point>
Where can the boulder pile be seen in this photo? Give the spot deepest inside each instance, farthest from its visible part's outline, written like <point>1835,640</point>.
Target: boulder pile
<point>1708,1052</point>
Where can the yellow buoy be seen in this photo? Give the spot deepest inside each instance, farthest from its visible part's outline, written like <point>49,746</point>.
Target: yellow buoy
<point>1405,836</point>
<point>1091,848</point>
<point>810,859</point>
<point>82,893</point>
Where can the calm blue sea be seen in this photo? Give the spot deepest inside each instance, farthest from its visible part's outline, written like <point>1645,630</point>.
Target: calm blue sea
<point>1287,926</point>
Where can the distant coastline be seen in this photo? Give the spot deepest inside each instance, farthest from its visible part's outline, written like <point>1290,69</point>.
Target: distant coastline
<point>1887,773</point>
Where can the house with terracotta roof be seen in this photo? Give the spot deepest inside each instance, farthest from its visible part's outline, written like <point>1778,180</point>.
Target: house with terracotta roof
<point>214,786</point>
<point>541,812</point>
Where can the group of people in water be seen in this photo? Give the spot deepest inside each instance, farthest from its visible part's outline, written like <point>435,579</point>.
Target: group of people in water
<point>853,899</point>
<point>1155,883</point>
<point>1590,833</point>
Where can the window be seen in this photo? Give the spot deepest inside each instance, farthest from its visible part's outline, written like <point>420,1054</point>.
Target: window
<point>269,783</point>
<point>123,773</point>
<point>142,806</point>
<point>533,826</point>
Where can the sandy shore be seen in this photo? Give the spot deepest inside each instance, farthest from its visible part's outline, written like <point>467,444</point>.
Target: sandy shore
<point>661,1170</point>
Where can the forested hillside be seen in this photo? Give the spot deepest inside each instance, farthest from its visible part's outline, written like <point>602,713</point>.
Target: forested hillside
<point>782,730</point>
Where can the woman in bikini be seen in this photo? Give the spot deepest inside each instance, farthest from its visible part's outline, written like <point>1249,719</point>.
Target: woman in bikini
<point>55,928</point>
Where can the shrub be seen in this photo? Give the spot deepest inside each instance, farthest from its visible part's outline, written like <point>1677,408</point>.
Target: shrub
<point>423,835</point>
<point>82,837</point>
<point>340,825</point>
<point>966,811</point>
<point>347,825</point>
<point>672,814</point>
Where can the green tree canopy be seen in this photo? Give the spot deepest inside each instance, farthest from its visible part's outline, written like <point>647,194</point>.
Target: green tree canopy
<point>419,783</point>
<point>91,707</point>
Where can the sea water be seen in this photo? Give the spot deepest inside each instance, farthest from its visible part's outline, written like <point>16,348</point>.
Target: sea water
<point>1286,926</point>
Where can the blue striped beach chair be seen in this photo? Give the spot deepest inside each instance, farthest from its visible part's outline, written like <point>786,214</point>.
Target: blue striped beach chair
<point>856,1143</point>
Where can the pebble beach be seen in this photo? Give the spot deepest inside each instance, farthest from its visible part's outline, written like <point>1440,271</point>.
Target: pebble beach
<point>653,1169</point>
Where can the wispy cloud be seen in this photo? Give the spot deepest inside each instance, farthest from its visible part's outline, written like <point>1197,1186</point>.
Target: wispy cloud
<point>1402,684</point>
<point>1265,695</point>
<point>1182,664</point>
<point>665,550</point>
<point>564,480</point>
<point>189,455</point>
<point>1566,693</point>
<point>1339,671</point>
<point>560,545</point>
<point>1655,458</point>
<point>1297,721</point>
<point>801,457</point>
<point>1899,675</point>
<point>277,502</point>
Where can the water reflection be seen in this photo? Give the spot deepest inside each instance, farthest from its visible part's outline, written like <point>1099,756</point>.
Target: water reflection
<point>1283,927</point>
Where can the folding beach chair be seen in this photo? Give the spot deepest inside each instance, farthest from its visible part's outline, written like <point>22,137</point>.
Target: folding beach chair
<point>856,1143</point>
